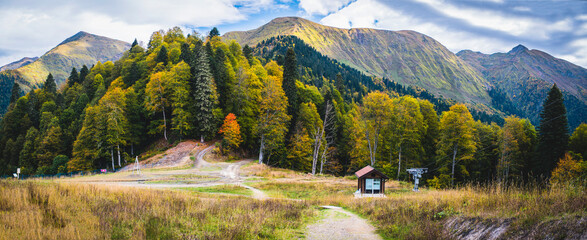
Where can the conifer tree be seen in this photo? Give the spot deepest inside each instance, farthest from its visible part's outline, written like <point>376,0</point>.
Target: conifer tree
<point>553,133</point>
<point>50,86</point>
<point>73,77</point>
<point>290,75</point>
<point>134,43</point>
<point>214,33</point>
<point>204,96</point>
<point>162,55</point>
<point>15,94</point>
<point>83,73</point>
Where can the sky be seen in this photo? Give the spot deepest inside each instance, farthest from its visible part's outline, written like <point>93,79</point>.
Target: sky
<point>29,28</point>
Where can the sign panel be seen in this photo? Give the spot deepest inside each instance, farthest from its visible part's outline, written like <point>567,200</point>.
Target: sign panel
<point>376,184</point>
<point>369,184</point>
<point>18,170</point>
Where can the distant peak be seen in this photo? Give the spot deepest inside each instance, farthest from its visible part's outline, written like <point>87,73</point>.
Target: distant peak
<point>77,36</point>
<point>518,49</point>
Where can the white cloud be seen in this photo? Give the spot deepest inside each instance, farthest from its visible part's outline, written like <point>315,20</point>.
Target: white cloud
<point>373,14</point>
<point>322,7</point>
<point>522,9</point>
<point>30,28</point>
<point>508,24</point>
<point>577,57</point>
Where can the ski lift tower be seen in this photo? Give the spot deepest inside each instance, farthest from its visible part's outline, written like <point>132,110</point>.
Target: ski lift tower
<point>417,173</point>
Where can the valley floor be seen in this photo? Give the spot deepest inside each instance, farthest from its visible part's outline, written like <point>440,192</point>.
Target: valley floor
<point>189,192</point>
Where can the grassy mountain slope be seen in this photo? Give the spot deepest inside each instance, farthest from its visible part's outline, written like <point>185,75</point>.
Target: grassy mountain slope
<point>82,48</point>
<point>525,76</point>
<point>407,57</point>
<point>17,64</point>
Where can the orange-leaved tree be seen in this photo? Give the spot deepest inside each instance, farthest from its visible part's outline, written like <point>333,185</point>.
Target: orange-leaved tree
<point>231,131</point>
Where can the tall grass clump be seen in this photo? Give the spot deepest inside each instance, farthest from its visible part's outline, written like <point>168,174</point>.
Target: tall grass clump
<point>422,215</point>
<point>36,210</point>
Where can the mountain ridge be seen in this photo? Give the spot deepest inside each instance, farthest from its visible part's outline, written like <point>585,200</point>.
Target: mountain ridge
<point>80,49</point>
<point>20,63</point>
<point>406,56</point>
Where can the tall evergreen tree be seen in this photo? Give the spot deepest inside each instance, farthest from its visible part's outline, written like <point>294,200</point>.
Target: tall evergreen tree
<point>50,85</point>
<point>134,43</point>
<point>15,95</point>
<point>162,55</point>
<point>73,77</point>
<point>214,33</point>
<point>553,135</point>
<point>83,73</point>
<point>204,95</point>
<point>290,75</point>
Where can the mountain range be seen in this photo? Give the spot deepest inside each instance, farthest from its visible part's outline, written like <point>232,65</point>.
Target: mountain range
<point>515,82</point>
<point>518,79</point>
<point>406,57</point>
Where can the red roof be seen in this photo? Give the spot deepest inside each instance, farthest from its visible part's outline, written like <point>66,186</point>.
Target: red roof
<point>368,169</point>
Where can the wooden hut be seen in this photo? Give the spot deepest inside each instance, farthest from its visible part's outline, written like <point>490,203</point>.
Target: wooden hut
<point>371,181</point>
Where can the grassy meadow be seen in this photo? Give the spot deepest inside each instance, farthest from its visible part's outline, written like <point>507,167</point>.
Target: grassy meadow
<point>49,210</point>
<point>41,209</point>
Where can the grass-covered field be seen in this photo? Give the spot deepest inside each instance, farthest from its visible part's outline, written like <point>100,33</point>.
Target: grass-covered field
<point>38,209</point>
<point>49,210</point>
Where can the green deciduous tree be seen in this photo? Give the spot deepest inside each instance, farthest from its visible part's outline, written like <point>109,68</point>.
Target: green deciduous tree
<point>578,141</point>
<point>273,120</point>
<point>456,140</point>
<point>156,100</point>
<point>375,116</point>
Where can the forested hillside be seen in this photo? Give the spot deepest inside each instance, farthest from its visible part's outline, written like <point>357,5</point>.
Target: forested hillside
<point>406,57</point>
<point>78,50</point>
<point>291,107</point>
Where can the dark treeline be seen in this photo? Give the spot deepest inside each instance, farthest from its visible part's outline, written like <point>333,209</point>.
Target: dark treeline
<point>281,101</point>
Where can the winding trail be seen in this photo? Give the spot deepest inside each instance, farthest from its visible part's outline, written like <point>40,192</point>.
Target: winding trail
<point>340,224</point>
<point>336,223</point>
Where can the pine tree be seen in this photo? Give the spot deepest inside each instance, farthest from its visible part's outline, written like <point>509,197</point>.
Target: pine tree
<point>204,96</point>
<point>162,55</point>
<point>134,74</point>
<point>553,134</point>
<point>73,77</point>
<point>290,76</point>
<point>15,95</point>
<point>83,73</point>
<point>50,86</point>
<point>248,53</point>
<point>214,33</point>
<point>134,43</point>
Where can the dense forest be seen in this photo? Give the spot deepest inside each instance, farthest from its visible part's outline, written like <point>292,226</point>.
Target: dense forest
<point>281,101</point>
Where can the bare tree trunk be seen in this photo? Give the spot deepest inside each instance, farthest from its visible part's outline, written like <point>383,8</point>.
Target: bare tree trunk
<point>261,149</point>
<point>164,124</point>
<point>112,155</point>
<point>132,149</point>
<point>454,156</point>
<point>118,150</point>
<point>399,165</point>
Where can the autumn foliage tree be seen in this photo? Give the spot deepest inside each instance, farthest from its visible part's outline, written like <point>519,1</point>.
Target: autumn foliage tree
<point>231,132</point>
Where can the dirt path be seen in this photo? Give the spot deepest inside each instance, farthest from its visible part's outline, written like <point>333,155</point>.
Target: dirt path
<point>340,224</point>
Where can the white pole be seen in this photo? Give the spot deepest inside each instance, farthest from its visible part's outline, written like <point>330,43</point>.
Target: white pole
<point>138,166</point>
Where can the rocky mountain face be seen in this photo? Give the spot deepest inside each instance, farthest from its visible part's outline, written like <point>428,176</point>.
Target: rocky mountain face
<point>525,76</point>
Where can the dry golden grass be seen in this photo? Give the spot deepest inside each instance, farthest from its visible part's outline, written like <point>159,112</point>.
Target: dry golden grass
<point>36,210</point>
